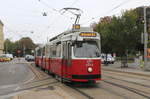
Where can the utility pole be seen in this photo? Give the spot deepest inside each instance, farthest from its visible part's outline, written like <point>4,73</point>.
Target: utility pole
<point>145,39</point>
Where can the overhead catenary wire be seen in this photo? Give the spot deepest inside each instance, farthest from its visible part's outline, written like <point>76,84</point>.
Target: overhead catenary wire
<point>48,6</point>
<point>55,10</point>
<point>114,8</point>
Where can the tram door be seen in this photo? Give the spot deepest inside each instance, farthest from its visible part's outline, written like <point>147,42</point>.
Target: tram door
<point>66,59</point>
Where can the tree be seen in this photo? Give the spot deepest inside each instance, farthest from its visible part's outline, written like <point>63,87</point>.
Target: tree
<point>26,45</point>
<point>120,34</point>
<point>23,46</point>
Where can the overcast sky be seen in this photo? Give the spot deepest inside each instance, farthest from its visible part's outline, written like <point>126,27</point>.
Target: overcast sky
<point>23,18</point>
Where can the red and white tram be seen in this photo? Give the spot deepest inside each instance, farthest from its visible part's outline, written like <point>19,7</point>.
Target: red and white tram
<point>73,56</point>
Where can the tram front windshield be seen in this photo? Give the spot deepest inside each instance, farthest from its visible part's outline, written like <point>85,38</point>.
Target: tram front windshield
<point>86,49</point>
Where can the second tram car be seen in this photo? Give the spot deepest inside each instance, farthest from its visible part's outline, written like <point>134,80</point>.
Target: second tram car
<point>38,55</point>
<point>73,56</point>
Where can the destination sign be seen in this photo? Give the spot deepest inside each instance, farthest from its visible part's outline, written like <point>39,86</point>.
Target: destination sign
<point>88,34</point>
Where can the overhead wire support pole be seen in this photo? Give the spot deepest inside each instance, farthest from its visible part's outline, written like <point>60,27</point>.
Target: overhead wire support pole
<point>145,39</point>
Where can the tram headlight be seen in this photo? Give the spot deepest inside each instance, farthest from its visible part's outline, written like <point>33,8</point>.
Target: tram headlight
<point>90,69</point>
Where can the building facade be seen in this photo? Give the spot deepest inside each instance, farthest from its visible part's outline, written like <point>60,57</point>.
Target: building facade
<point>1,37</point>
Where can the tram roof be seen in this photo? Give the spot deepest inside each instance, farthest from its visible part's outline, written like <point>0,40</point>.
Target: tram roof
<point>82,29</point>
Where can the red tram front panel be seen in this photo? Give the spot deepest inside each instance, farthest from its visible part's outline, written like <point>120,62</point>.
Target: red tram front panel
<point>82,70</point>
<point>86,69</point>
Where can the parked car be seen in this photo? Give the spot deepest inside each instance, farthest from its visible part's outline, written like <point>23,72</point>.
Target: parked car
<point>1,59</point>
<point>4,58</point>
<point>10,56</point>
<point>107,60</point>
<point>29,57</point>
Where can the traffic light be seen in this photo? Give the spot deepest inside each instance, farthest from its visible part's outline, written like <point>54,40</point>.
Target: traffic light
<point>140,18</point>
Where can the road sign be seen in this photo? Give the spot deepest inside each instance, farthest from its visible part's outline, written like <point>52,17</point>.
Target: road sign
<point>18,51</point>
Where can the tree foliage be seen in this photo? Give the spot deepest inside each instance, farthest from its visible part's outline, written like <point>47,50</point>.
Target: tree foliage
<point>25,45</point>
<point>120,34</point>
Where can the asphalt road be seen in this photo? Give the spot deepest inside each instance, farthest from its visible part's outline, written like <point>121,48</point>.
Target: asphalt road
<point>12,75</point>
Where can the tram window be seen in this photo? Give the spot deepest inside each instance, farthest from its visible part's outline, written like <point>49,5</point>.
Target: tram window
<point>43,52</point>
<point>39,52</point>
<point>58,51</point>
<point>49,51</point>
<point>53,51</point>
<point>64,51</point>
<point>89,49</point>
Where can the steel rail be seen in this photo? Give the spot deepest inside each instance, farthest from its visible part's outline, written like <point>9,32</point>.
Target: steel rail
<point>138,92</point>
<point>147,86</point>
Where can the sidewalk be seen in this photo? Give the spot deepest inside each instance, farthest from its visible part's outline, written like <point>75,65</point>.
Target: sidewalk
<point>132,68</point>
<point>46,92</point>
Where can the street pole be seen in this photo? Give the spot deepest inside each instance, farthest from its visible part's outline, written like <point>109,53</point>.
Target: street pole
<point>145,39</point>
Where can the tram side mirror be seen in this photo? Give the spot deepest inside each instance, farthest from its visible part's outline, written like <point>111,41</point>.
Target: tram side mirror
<point>97,53</point>
<point>73,43</point>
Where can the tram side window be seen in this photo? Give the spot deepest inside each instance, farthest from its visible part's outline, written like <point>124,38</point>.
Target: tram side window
<point>43,52</point>
<point>53,51</point>
<point>47,51</point>
<point>58,51</point>
<point>39,52</point>
<point>64,50</point>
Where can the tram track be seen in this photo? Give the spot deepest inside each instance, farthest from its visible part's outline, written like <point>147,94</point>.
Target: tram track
<point>31,87</point>
<point>126,72</point>
<point>96,91</point>
<point>40,81</point>
<point>40,77</point>
<point>38,84</point>
<point>127,75</point>
<point>38,73</point>
<point>70,86</point>
<point>147,86</point>
<point>125,80</point>
<point>134,90</point>
<point>83,93</point>
<point>80,91</point>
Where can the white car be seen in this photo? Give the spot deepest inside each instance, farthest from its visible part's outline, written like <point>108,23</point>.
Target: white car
<point>9,56</point>
<point>107,60</point>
